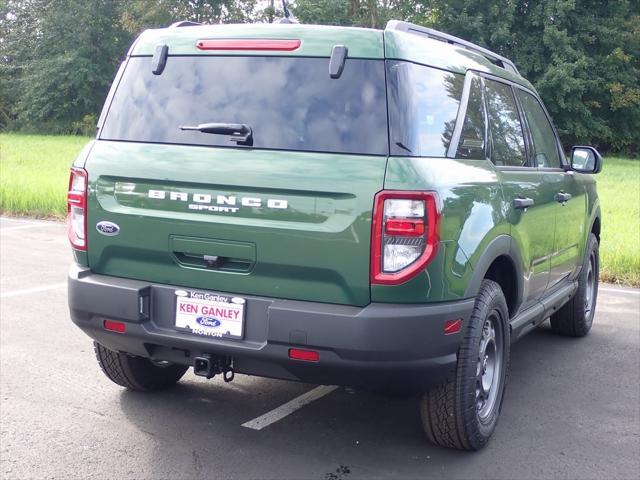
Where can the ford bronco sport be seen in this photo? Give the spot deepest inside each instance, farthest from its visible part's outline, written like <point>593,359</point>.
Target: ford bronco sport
<point>381,209</point>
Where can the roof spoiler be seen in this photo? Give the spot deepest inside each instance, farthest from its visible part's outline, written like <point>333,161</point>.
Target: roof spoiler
<point>499,60</point>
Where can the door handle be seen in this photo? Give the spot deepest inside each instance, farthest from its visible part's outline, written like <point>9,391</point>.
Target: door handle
<point>522,203</point>
<point>562,197</point>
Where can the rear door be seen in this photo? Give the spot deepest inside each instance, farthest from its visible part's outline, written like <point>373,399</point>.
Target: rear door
<point>288,216</point>
<point>532,211</point>
<point>569,194</point>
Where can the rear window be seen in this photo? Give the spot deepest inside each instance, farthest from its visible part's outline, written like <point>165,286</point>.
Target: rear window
<point>290,103</point>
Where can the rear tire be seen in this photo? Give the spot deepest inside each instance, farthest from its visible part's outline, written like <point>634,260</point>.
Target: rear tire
<point>575,318</point>
<point>137,373</point>
<point>463,411</point>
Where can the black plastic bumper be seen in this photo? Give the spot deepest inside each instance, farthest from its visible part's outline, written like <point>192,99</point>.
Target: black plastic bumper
<point>376,346</point>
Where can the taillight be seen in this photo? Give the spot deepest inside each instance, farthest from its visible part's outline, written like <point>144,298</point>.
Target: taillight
<point>77,208</point>
<point>405,235</point>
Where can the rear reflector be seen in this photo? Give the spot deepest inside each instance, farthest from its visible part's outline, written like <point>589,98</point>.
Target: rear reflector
<point>452,326</point>
<point>306,355</point>
<point>114,326</point>
<point>281,45</point>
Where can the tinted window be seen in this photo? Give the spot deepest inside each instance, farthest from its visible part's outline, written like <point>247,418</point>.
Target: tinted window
<point>544,140</point>
<point>507,140</point>
<point>472,137</point>
<point>290,103</point>
<point>423,104</point>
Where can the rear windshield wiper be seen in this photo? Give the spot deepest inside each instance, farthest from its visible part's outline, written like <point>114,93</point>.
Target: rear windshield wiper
<point>241,133</point>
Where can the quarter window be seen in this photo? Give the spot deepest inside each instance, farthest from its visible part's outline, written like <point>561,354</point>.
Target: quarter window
<point>423,105</point>
<point>544,139</point>
<point>507,139</point>
<point>471,145</point>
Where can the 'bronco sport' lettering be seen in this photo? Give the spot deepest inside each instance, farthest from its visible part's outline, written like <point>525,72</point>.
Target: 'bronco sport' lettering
<point>203,201</point>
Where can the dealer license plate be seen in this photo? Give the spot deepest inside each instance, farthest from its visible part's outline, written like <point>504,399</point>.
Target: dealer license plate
<point>210,314</point>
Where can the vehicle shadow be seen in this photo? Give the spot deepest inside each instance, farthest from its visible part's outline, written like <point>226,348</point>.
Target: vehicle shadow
<point>194,428</point>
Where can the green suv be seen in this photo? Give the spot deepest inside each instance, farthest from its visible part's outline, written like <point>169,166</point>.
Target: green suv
<point>386,209</point>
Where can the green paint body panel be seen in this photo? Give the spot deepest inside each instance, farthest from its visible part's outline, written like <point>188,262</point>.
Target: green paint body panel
<point>472,207</point>
<point>317,41</point>
<point>475,199</point>
<point>80,257</point>
<point>317,249</point>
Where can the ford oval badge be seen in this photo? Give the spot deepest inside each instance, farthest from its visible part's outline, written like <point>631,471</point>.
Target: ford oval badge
<point>109,229</point>
<point>208,322</point>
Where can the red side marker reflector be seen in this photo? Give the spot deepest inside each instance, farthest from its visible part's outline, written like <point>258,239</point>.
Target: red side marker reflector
<point>306,355</point>
<point>114,326</point>
<point>281,45</point>
<point>452,326</point>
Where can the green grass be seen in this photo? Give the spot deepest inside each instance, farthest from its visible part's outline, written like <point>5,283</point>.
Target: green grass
<point>619,192</point>
<point>34,171</point>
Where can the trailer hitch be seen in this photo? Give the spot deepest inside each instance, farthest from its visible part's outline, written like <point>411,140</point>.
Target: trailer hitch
<point>209,366</point>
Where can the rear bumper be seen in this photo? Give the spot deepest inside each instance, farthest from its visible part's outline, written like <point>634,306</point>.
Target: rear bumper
<point>377,346</point>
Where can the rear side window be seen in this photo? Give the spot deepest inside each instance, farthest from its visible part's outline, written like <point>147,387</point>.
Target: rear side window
<point>507,139</point>
<point>544,139</point>
<point>471,145</point>
<point>423,104</point>
<point>290,103</point>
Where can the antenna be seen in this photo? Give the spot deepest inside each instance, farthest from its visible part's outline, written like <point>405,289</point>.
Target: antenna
<point>288,18</point>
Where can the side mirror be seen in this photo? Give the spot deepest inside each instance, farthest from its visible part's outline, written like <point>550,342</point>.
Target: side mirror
<point>586,159</point>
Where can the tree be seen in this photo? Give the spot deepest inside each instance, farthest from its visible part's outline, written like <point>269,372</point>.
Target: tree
<point>583,56</point>
<point>482,22</point>
<point>17,42</point>
<point>57,58</point>
<point>324,12</point>
<point>142,14</point>
<point>362,13</point>
<point>61,57</point>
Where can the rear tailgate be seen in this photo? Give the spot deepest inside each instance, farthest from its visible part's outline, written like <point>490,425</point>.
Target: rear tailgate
<point>317,248</point>
<point>288,216</point>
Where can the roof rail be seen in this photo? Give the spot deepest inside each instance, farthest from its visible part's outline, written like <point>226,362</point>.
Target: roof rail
<point>184,23</point>
<point>445,37</point>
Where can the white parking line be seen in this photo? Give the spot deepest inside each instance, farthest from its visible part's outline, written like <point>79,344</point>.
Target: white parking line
<point>619,290</point>
<point>26,291</point>
<point>288,408</point>
<point>30,225</point>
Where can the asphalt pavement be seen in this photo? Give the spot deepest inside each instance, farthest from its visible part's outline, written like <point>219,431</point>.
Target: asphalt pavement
<point>572,407</point>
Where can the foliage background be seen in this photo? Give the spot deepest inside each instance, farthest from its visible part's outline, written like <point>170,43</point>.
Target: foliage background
<point>58,57</point>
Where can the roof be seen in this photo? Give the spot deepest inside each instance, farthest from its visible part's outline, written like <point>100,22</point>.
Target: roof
<point>493,57</point>
<point>400,40</point>
<point>405,41</point>
<point>317,41</point>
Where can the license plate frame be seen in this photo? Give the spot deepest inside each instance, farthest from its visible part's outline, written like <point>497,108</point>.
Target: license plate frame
<point>209,314</point>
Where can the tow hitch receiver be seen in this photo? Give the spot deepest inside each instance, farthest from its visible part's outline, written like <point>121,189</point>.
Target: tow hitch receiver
<point>210,365</point>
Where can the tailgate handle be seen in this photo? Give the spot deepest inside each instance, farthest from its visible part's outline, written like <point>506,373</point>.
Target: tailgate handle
<point>213,262</point>
<point>213,254</point>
